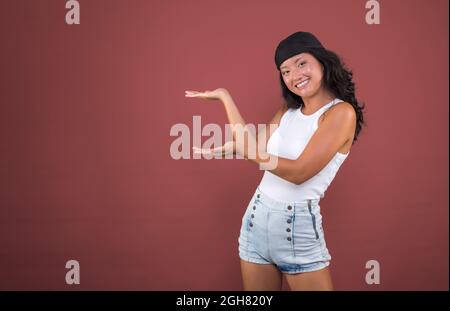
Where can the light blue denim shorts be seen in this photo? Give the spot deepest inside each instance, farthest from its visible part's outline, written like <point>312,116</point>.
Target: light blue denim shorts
<point>286,234</point>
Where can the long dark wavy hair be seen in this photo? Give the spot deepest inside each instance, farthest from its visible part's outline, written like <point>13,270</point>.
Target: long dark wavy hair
<point>338,80</point>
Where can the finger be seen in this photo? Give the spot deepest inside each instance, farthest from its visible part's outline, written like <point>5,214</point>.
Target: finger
<point>217,149</point>
<point>196,94</point>
<point>223,150</point>
<point>209,151</point>
<point>201,151</point>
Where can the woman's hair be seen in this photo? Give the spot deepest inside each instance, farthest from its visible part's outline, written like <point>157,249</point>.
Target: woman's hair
<point>337,78</point>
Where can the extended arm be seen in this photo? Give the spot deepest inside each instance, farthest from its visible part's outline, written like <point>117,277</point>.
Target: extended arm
<point>262,135</point>
<point>334,132</point>
<point>235,119</point>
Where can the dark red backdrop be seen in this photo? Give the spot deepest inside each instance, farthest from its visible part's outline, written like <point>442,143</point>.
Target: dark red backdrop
<point>86,112</point>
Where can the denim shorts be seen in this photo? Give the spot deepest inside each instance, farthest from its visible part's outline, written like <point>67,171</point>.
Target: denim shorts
<point>286,234</point>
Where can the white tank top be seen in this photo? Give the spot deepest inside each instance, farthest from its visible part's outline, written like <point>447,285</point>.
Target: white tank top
<point>288,141</point>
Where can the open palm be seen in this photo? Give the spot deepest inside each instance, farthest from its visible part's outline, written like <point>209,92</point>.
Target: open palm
<point>215,94</point>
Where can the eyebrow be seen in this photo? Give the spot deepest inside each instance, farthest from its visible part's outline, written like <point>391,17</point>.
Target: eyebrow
<point>300,57</point>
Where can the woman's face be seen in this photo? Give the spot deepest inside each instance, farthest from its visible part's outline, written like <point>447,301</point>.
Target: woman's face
<point>302,74</point>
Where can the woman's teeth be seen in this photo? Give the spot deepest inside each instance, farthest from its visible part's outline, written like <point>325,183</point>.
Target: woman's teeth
<point>300,85</point>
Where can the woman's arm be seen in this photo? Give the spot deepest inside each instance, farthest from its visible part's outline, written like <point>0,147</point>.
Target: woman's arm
<point>233,114</point>
<point>235,118</point>
<point>331,135</point>
<point>259,144</point>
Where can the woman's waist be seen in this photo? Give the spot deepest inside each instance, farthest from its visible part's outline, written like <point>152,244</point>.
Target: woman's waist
<point>282,190</point>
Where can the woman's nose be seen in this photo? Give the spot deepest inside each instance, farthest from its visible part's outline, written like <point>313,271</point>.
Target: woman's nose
<point>297,73</point>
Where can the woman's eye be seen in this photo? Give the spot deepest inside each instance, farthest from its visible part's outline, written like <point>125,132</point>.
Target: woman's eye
<point>284,73</point>
<point>302,63</point>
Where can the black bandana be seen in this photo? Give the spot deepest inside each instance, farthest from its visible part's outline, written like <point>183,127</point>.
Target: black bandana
<point>296,43</point>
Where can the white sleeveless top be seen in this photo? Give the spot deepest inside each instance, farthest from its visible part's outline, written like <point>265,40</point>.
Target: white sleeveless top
<point>288,141</point>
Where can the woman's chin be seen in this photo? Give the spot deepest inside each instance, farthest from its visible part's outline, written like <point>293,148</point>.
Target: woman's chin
<point>302,93</point>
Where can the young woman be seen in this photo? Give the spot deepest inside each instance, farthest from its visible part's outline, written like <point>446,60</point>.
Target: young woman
<point>281,232</point>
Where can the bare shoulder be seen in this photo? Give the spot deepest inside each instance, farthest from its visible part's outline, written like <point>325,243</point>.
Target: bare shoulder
<point>343,108</point>
<point>343,112</point>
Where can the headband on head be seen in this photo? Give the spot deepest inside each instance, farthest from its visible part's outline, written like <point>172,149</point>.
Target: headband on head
<point>296,43</point>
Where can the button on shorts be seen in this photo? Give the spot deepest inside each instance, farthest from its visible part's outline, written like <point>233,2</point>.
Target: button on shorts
<point>286,234</point>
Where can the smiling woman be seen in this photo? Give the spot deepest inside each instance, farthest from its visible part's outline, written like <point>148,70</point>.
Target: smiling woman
<point>281,231</point>
<point>309,69</point>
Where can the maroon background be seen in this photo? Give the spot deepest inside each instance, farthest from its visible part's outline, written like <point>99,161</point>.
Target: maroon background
<point>86,112</point>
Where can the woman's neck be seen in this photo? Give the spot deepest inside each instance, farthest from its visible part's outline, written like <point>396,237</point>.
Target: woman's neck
<point>315,102</point>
